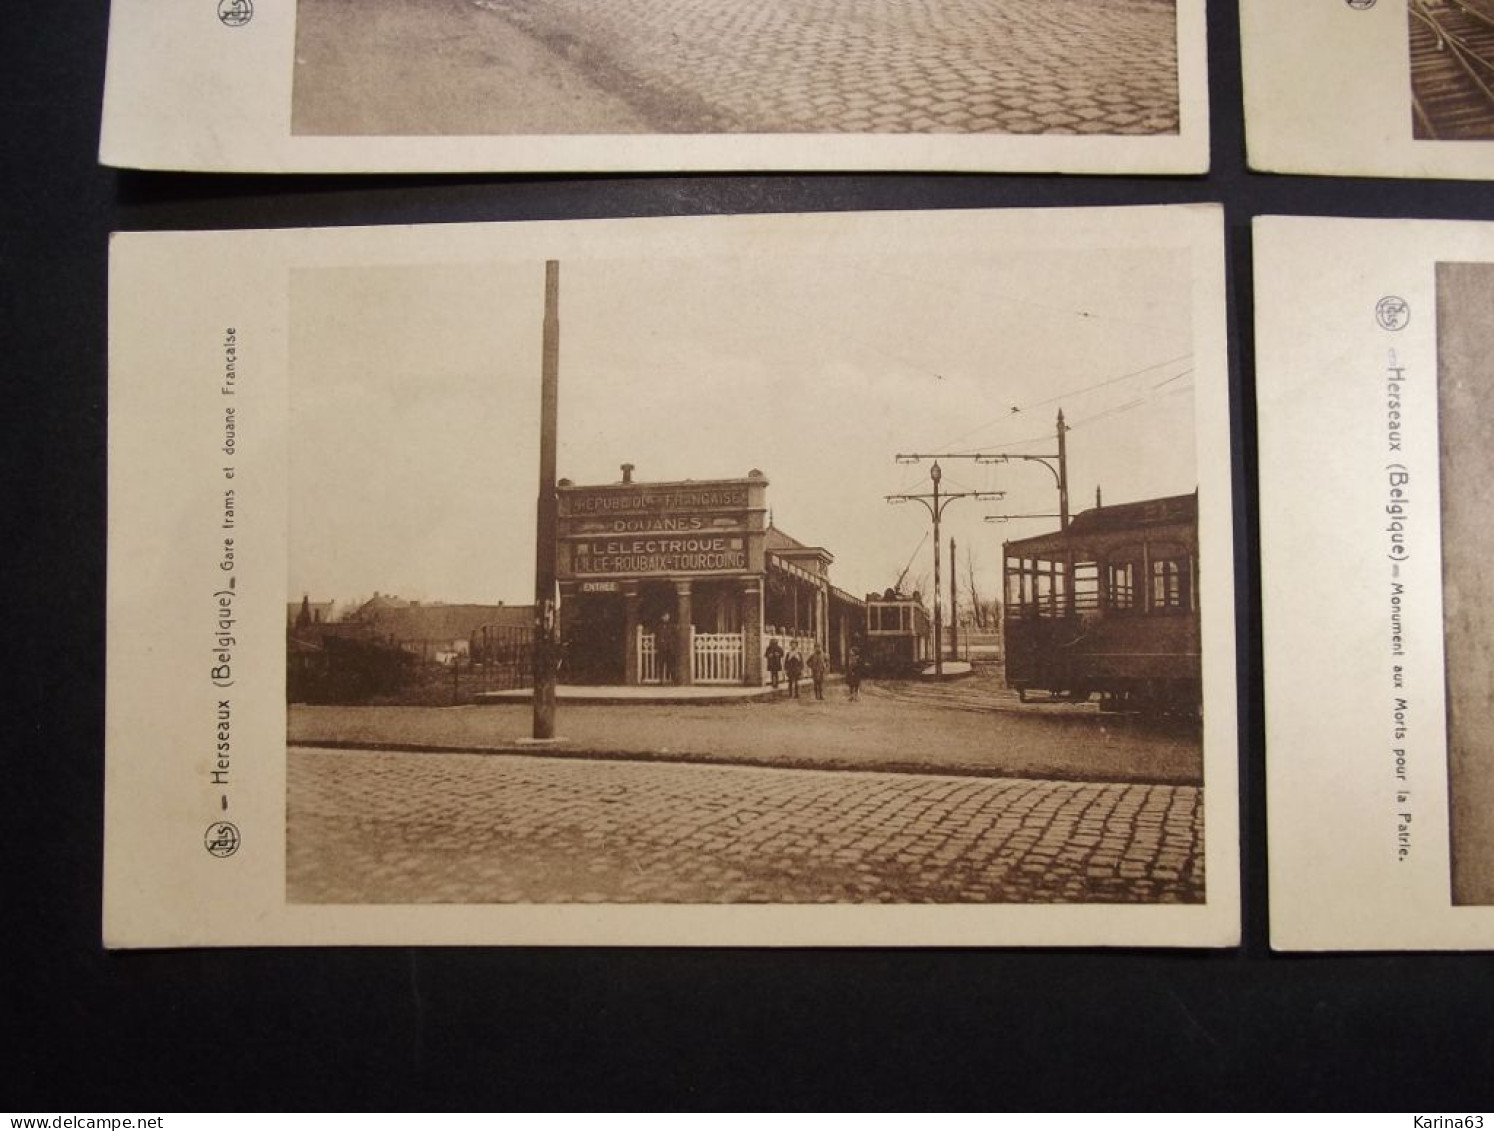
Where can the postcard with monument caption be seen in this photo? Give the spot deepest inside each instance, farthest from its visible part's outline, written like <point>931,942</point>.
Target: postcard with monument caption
<point>567,86</point>
<point>1373,347</point>
<point>1389,88</point>
<point>791,707</point>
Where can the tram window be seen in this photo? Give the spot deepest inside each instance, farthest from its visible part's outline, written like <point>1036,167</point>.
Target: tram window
<point>1086,586</point>
<point>1169,584</point>
<point>1120,586</point>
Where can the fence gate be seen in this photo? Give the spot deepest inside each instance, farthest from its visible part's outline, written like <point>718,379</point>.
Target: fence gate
<point>717,657</point>
<point>648,657</point>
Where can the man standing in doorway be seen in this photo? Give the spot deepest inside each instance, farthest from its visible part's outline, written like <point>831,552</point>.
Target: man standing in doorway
<point>664,649</point>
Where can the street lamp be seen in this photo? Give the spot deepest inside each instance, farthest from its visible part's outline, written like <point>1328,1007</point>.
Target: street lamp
<point>935,503</point>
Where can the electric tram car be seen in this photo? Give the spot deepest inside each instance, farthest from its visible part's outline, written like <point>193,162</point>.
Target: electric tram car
<point>1109,607</point>
<point>896,641</point>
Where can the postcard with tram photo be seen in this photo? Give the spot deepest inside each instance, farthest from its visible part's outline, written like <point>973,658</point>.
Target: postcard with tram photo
<point>1388,88</point>
<point>791,580</point>
<point>1373,347</point>
<point>1073,86</point>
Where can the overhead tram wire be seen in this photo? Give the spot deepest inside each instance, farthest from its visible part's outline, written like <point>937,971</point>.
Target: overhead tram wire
<point>1104,414</point>
<point>1063,396</point>
<point>923,368</point>
<point>1082,421</point>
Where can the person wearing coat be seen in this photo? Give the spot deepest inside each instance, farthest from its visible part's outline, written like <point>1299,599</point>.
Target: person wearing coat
<point>853,674</point>
<point>664,645</point>
<point>793,667</point>
<point>818,666</point>
<point>774,656</point>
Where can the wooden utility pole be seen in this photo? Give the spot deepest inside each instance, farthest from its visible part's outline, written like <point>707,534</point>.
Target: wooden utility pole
<point>954,606</point>
<point>547,519</point>
<point>1063,473</point>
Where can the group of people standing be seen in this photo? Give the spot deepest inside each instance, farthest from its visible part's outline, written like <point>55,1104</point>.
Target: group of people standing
<point>792,666</point>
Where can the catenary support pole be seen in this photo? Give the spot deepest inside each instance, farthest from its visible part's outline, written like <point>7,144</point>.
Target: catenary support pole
<point>954,605</point>
<point>935,474</point>
<point>547,523</point>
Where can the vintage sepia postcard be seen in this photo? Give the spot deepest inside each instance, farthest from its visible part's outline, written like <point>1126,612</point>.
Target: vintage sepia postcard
<point>1069,86</point>
<point>1389,88</point>
<point>839,579</point>
<point>1374,340</point>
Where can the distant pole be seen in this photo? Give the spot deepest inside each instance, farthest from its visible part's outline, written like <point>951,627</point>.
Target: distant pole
<point>954,605</point>
<point>935,474</point>
<point>547,523</point>
<point>935,504</point>
<point>1063,474</point>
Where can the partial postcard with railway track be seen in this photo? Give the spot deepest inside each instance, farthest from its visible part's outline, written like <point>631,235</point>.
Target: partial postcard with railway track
<point>879,566</point>
<point>1078,86</point>
<point>1389,88</point>
<point>1374,340</point>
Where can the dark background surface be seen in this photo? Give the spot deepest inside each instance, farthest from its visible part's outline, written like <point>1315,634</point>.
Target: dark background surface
<point>496,1028</point>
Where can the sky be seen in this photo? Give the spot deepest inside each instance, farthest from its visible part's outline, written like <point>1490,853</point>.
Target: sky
<point>415,401</point>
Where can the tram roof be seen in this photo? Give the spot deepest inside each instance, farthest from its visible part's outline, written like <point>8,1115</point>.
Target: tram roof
<point>1120,518</point>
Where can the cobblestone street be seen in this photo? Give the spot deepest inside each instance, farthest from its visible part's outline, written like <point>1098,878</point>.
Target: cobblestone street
<point>391,827</point>
<point>769,66</point>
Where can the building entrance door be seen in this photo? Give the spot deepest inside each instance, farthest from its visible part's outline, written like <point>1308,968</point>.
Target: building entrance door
<point>595,649</point>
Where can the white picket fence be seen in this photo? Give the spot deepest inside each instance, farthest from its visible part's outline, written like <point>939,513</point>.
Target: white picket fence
<point>715,657</point>
<point>648,658</point>
<point>718,657</point>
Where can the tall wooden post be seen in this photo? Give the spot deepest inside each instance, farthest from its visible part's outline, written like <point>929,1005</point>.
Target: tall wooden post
<point>935,474</point>
<point>547,519</point>
<point>954,606</point>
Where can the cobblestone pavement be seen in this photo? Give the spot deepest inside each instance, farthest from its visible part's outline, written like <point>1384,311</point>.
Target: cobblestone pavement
<point>384,827</point>
<point>810,66</point>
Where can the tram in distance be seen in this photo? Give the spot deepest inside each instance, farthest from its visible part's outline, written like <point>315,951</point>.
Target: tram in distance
<point>896,639</point>
<point>1109,607</point>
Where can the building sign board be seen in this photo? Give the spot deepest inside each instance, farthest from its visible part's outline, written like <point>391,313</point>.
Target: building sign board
<point>662,529</point>
<point>661,555</point>
<point>650,500</point>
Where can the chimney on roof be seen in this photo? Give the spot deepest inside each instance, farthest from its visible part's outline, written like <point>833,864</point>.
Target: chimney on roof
<point>627,470</point>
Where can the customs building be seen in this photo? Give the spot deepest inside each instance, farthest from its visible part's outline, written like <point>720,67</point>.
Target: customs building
<point>687,582</point>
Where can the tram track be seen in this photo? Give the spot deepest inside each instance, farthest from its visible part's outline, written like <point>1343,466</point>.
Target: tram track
<point>962,695</point>
<point>1452,70</point>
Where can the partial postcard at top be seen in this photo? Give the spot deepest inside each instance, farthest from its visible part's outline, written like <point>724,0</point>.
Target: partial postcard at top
<point>1391,88</point>
<point>569,86</point>
<point>766,580</point>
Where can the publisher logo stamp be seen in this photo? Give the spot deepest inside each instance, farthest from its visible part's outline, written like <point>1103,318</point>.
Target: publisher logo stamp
<point>1392,313</point>
<point>1360,5</point>
<point>235,13</point>
<point>221,839</point>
